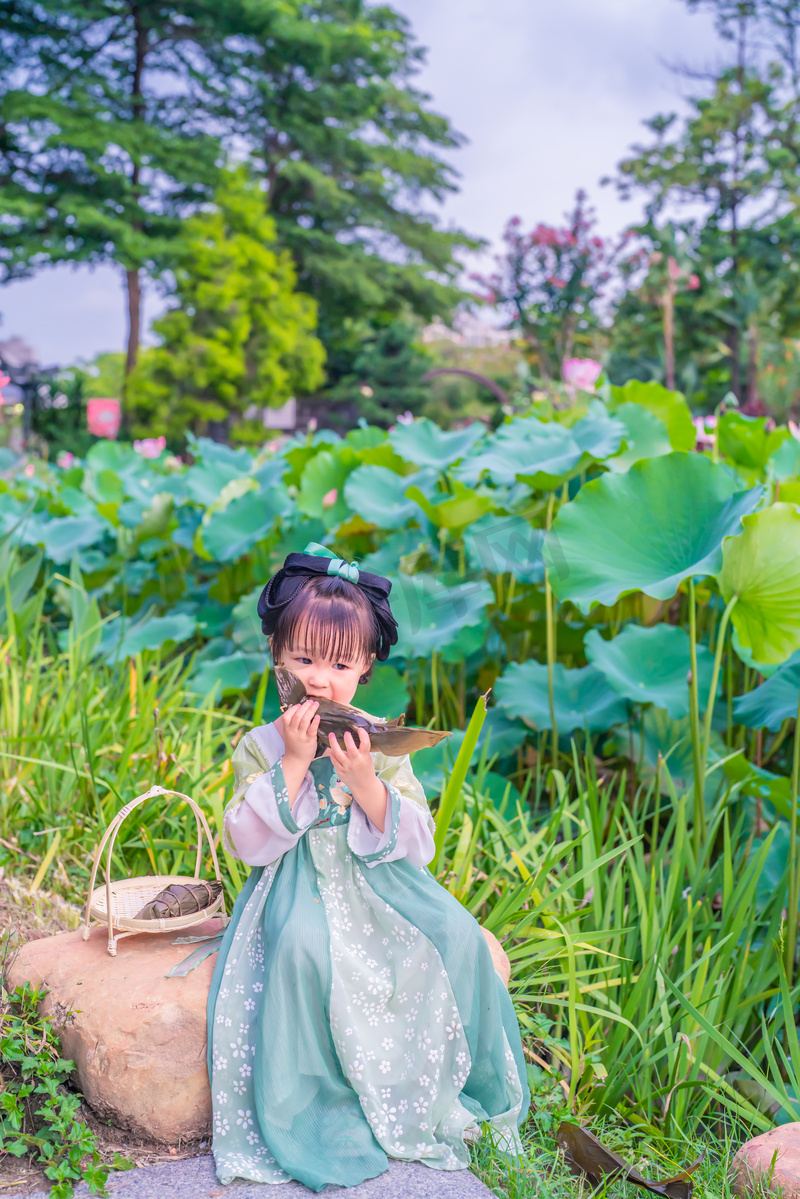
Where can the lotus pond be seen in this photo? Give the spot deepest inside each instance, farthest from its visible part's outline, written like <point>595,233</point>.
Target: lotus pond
<point>624,813</point>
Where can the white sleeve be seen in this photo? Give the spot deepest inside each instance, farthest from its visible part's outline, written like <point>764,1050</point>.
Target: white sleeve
<point>259,824</point>
<point>408,829</point>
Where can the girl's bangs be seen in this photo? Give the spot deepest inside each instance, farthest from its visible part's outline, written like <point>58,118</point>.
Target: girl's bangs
<point>329,627</point>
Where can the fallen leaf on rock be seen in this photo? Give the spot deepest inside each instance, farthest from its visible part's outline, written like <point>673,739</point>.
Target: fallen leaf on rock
<point>584,1154</point>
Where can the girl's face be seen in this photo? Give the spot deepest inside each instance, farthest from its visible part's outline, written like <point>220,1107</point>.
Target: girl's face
<point>325,678</point>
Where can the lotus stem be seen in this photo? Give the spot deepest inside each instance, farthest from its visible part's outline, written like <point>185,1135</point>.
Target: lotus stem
<point>712,693</point>
<point>551,659</point>
<point>694,716</point>
<point>794,874</point>
<point>435,688</point>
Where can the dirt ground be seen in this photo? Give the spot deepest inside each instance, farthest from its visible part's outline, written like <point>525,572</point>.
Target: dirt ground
<point>25,917</point>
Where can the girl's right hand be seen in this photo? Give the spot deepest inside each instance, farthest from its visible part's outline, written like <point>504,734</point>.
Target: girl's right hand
<point>300,724</point>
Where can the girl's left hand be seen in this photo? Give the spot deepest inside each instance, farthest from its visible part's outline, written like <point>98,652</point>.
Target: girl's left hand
<point>353,764</point>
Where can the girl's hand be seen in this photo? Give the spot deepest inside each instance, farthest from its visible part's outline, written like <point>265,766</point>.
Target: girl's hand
<point>355,767</point>
<point>300,724</point>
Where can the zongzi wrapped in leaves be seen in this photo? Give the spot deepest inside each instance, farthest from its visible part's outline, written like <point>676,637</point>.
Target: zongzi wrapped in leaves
<point>390,737</point>
<point>181,899</point>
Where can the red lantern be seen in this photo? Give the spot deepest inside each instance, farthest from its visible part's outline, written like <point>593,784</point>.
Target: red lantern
<point>103,417</point>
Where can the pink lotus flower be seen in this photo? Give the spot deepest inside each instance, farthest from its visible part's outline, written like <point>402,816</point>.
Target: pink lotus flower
<point>693,282</point>
<point>65,459</point>
<point>150,447</point>
<point>704,438</point>
<point>103,417</point>
<point>794,430</point>
<point>29,471</point>
<point>329,498</point>
<point>582,373</point>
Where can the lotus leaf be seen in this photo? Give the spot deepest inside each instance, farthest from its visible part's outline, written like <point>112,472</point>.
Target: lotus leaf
<point>246,521</point>
<point>544,453</point>
<point>746,656</point>
<point>204,483</point>
<point>106,486</point>
<point>247,631</point>
<point>385,694</point>
<point>124,640</point>
<point>506,545</point>
<point>646,530</point>
<point>758,783</point>
<point>425,444</point>
<point>672,740</point>
<point>118,457</point>
<point>226,675</point>
<point>406,546</point>
<point>785,461</point>
<point>365,437</point>
<point>469,640</point>
<point>270,473</point>
<point>669,406</point>
<point>645,434</point>
<point>774,701</point>
<point>322,488</point>
<point>762,567</point>
<point>598,433</point>
<point>746,440</point>
<point>63,536</point>
<point>7,459</point>
<point>651,666</point>
<point>379,495</point>
<point>582,697</point>
<point>523,447</point>
<point>206,450</point>
<point>455,511</point>
<point>431,614</point>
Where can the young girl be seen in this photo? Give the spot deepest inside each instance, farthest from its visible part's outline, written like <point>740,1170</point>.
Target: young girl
<point>354,1013</point>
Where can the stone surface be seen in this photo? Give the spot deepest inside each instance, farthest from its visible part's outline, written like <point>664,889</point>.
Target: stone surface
<point>138,1038</point>
<point>754,1162</point>
<point>194,1178</point>
<point>499,956</point>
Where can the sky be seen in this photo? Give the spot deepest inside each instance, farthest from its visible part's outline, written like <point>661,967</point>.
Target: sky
<point>549,93</point>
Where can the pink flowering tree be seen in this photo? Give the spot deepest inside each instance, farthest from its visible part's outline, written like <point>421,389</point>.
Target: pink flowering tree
<point>550,283</point>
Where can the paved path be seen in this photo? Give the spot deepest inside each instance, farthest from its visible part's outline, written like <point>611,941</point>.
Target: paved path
<point>194,1178</point>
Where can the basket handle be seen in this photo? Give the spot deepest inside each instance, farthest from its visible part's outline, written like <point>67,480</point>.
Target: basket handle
<point>110,836</point>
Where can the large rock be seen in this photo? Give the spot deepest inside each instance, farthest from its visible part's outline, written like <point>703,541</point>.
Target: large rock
<point>499,957</point>
<point>773,1157</point>
<point>138,1038</point>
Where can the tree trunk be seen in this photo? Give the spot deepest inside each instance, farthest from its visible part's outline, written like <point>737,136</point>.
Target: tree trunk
<point>732,342</point>
<point>137,111</point>
<point>751,385</point>
<point>668,308</point>
<point>134,318</point>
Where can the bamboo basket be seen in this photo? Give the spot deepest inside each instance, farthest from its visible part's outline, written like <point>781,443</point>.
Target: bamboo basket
<point>115,904</point>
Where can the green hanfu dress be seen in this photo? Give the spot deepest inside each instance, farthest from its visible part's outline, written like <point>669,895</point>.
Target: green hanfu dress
<point>354,1013</point>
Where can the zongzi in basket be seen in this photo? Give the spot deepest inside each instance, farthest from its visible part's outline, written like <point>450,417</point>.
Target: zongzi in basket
<point>181,899</point>
<point>391,737</point>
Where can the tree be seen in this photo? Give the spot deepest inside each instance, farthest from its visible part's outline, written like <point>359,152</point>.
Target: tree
<point>349,151</point>
<point>385,382</point>
<point>105,108</point>
<point>549,284</point>
<point>737,158</point>
<point>102,142</point>
<point>240,335</point>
